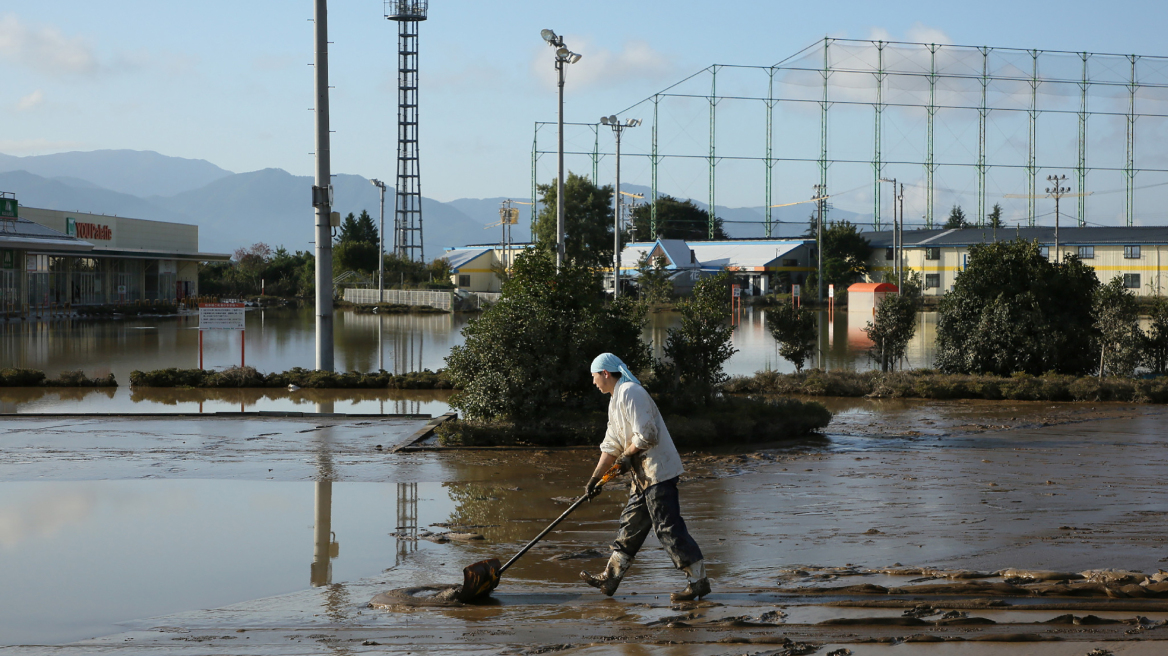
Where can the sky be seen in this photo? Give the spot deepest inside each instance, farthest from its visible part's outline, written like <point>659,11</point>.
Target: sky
<point>229,82</point>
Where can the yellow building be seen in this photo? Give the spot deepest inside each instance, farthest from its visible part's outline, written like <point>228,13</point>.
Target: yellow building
<point>1137,254</point>
<point>472,268</point>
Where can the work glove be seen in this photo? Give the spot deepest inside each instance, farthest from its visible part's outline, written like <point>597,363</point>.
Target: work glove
<point>625,463</point>
<point>592,488</point>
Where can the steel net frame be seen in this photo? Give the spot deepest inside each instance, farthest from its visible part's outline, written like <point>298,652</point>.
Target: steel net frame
<point>1075,105</point>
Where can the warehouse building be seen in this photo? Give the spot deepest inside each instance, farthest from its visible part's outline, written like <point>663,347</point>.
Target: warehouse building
<point>1139,255</point>
<point>60,259</point>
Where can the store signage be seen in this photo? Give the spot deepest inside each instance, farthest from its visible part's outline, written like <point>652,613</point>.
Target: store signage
<point>8,208</point>
<point>221,316</point>
<point>87,230</point>
<point>7,259</point>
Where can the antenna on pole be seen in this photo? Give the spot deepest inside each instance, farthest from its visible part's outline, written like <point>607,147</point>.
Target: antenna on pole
<point>407,210</point>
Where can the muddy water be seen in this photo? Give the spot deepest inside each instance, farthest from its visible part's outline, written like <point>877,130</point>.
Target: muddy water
<point>279,339</point>
<point>134,524</point>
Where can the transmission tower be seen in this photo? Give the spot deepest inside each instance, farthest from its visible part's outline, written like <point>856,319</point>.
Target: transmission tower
<point>407,219</point>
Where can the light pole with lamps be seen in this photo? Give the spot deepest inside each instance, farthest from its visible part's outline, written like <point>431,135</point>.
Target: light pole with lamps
<point>563,55</point>
<point>896,247</point>
<point>617,129</point>
<point>380,243</point>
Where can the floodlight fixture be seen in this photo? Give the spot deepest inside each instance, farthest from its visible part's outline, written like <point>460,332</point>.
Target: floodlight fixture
<point>612,120</point>
<point>574,57</point>
<point>549,36</point>
<point>604,120</point>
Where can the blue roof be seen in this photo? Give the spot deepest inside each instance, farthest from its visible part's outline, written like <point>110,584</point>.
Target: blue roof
<point>459,256</point>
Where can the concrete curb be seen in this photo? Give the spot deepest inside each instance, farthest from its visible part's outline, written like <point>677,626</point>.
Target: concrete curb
<point>424,432</point>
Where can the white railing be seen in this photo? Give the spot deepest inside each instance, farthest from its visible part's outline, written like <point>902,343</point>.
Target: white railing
<point>440,300</point>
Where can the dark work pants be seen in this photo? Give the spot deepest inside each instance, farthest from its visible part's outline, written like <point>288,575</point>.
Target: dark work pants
<point>657,507</point>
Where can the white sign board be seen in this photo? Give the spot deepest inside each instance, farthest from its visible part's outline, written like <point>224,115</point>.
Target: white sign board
<point>221,316</point>
<point>831,291</point>
<point>737,291</point>
<point>795,289</point>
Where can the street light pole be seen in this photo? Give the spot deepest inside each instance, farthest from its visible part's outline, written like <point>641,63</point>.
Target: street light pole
<point>1057,191</point>
<point>900,240</point>
<point>617,129</point>
<point>380,244</point>
<point>563,55</point>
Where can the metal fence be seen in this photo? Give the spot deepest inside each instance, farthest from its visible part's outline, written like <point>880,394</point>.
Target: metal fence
<point>440,300</point>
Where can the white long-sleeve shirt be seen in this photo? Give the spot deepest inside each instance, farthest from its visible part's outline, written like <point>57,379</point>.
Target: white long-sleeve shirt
<point>634,420</point>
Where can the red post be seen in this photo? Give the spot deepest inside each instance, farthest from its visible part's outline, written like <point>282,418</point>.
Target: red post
<point>200,351</point>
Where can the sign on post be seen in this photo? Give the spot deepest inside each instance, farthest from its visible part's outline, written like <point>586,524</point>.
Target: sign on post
<point>795,295</point>
<point>8,208</point>
<point>831,291</point>
<point>222,316</point>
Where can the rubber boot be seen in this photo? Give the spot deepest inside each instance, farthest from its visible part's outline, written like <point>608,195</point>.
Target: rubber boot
<point>610,578</point>
<point>698,586</point>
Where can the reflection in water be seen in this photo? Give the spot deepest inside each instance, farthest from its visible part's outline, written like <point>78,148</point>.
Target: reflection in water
<point>325,547</point>
<point>406,529</point>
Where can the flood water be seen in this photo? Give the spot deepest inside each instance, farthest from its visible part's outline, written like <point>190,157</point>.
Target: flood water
<point>280,339</point>
<point>156,528</point>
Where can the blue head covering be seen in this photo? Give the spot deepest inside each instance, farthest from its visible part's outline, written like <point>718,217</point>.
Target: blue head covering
<point>609,362</point>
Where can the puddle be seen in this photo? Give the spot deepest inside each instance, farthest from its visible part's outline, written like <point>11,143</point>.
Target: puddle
<point>83,556</point>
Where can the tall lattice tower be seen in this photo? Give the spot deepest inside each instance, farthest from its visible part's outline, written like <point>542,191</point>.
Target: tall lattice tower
<point>407,213</point>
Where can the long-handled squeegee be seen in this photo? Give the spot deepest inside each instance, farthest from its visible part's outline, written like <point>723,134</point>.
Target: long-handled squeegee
<point>480,578</point>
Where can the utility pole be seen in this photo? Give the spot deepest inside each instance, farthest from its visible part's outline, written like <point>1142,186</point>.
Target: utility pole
<point>380,244</point>
<point>819,196</point>
<point>563,55</point>
<point>322,196</point>
<point>895,250</point>
<point>617,129</point>
<point>1057,190</point>
<point>899,261</point>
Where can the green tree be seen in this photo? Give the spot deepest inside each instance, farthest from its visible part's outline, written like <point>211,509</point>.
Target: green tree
<point>1013,310</point>
<point>893,326</point>
<point>995,216</point>
<point>1117,318</point>
<point>956,219</point>
<point>528,355</point>
<point>653,284</point>
<point>358,229</point>
<point>676,219</point>
<point>587,221</point>
<point>845,256</point>
<point>795,329</point>
<point>355,256</point>
<point>698,348</point>
<point>1156,342</point>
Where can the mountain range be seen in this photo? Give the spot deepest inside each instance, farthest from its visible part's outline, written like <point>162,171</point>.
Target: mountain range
<point>270,205</point>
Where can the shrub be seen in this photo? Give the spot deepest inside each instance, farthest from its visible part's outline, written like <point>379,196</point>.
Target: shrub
<point>529,353</point>
<point>795,329</point>
<point>1013,310</point>
<point>701,345</point>
<point>1117,319</point>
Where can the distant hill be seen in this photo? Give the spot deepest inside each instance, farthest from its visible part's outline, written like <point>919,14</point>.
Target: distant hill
<point>35,191</point>
<point>273,206</point>
<point>141,173</point>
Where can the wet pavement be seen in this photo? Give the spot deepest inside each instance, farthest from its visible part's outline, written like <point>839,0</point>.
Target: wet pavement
<point>216,536</point>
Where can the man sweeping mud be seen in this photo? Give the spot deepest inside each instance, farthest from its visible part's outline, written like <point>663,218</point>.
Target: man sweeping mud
<point>638,441</point>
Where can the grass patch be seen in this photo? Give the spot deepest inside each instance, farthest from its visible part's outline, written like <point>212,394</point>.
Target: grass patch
<point>929,384</point>
<point>307,378</point>
<point>728,421</point>
<point>35,378</point>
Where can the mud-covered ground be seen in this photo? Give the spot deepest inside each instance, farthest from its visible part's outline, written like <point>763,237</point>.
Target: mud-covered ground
<point>887,535</point>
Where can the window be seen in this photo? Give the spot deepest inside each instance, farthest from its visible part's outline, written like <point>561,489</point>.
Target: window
<point>1131,253</point>
<point>464,281</point>
<point>1044,252</point>
<point>933,253</point>
<point>790,263</point>
<point>932,281</point>
<point>1131,280</point>
<point>888,254</point>
<point>1086,252</point>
